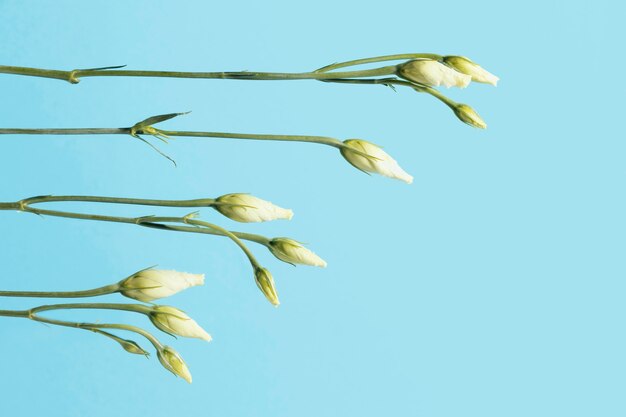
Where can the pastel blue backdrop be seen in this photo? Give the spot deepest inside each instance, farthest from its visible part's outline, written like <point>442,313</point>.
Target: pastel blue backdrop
<point>492,286</point>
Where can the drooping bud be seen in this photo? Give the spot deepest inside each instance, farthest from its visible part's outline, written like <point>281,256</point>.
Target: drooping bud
<point>468,115</point>
<point>265,282</point>
<point>433,73</point>
<point>371,158</point>
<point>174,321</point>
<point>173,362</point>
<point>152,284</point>
<point>467,66</point>
<point>246,208</point>
<point>293,252</point>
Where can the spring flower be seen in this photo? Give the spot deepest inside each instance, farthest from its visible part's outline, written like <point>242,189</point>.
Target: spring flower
<point>371,158</point>
<point>293,252</point>
<point>152,284</point>
<point>434,73</point>
<point>467,66</point>
<point>173,362</point>
<point>265,282</point>
<point>468,115</point>
<point>173,321</point>
<point>246,208</point>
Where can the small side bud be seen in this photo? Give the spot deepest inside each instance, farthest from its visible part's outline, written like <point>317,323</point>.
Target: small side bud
<point>173,362</point>
<point>246,208</point>
<point>293,252</point>
<point>369,157</point>
<point>174,321</point>
<point>468,115</point>
<point>467,66</point>
<point>433,73</point>
<point>152,284</point>
<point>129,346</point>
<point>265,282</point>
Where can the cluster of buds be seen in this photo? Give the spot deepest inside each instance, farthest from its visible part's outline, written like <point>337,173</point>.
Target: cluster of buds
<point>449,71</point>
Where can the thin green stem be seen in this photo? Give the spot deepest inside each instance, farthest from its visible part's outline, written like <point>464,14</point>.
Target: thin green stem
<point>75,75</point>
<point>32,315</point>
<point>201,202</point>
<point>363,61</point>
<point>136,308</point>
<point>107,289</point>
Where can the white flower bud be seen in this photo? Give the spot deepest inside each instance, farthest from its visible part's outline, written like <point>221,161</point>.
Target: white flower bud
<point>246,208</point>
<point>468,115</point>
<point>434,73</point>
<point>467,66</point>
<point>173,321</point>
<point>265,282</point>
<point>173,362</point>
<point>152,284</point>
<point>371,158</point>
<point>291,251</point>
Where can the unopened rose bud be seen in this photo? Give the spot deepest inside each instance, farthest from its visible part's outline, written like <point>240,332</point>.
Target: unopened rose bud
<point>246,208</point>
<point>433,73</point>
<point>293,252</point>
<point>174,321</point>
<point>468,115</point>
<point>152,284</point>
<point>371,158</point>
<point>265,282</point>
<point>173,362</point>
<point>468,67</point>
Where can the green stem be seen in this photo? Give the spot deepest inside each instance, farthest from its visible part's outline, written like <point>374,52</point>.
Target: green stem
<point>323,140</point>
<point>363,61</point>
<point>31,314</point>
<point>200,202</point>
<point>136,308</point>
<point>107,289</point>
<point>75,75</point>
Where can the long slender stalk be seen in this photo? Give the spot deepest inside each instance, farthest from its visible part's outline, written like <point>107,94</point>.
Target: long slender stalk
<point>74,76</point>
<point>322,140</point>
<point>107,289</point>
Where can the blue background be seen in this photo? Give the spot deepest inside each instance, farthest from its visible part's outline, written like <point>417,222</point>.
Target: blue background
<point>491,286</point>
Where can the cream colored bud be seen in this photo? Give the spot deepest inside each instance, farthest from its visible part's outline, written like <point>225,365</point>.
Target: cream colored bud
<point>293,252</point>
<point>265,282</point>
<point>467,66</point>
<point>174,321</point>
<point>371,158</point>
<point>246,208</point>
<point>152,284</point>
<point>431,72</point>
<point>468,115</point>
<point>173,362</point>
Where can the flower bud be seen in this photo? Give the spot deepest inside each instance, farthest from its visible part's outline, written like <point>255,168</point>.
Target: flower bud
<point>246,208</point>
<point>467,66</point>
<point>368,157</point>
<point>431,72</point>
<point>129,346</point>
<point>265,282</point>
<point>173,321</point>
<point>152,284</point>
<point>291,251</point>
<point>468,115</point>
<point>172,361</point>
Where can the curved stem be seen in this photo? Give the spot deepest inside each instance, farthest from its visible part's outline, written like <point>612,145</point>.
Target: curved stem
<point>31,314</point>
<point>230,235</point>
<point>107,289</point>
<point>363,61</point>
<point>136,308</point>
